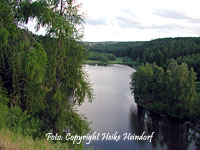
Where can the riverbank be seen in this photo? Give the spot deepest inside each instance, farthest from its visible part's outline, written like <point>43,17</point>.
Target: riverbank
<point>167,111</point>
<point>160,108</point>
<point>118,60</point>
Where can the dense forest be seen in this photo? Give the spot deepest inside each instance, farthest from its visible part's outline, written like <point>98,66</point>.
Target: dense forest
<point>167,76</point>
<point>104,57</point>
<point>41,77</point>
<point>171,91</point>
<point>183,49</point>
<point>119,49</point>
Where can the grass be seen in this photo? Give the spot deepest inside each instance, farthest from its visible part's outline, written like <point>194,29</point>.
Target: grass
<point>92,61</point>
<point>118,60</point>
<point>12,141</point>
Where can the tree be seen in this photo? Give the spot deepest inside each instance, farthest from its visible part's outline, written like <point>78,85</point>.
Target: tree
<point>44,76</point>
<point>141,82</point>
<point>171,91</point>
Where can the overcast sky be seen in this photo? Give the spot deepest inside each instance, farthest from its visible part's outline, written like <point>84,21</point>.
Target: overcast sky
<point>139,20</point>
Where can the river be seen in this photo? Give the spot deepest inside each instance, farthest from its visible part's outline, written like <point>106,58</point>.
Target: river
<point>114,111</point>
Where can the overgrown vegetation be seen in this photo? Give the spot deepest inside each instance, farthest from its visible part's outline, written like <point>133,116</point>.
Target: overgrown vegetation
<point>102,57</point>
<point>17,141</point>
<point>41,78</point>
<point>170,91</point>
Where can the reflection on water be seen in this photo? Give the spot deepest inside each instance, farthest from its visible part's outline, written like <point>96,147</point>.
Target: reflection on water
<point>169,134</point>
<point>114,110</point>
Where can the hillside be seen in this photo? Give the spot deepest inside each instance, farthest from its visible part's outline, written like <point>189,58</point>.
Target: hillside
<point>160,51</point>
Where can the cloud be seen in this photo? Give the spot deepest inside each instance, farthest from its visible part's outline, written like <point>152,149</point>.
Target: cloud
<point>173,14</point>
<point>125,22</point>
<point>127,11</point>
<point>96,22</point>
<point>134,20</point>
<point>194,20</point>
<point>167,26</point>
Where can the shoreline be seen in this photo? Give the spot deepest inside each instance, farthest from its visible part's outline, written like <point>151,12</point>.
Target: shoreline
<point>109,63</point>
<point>165,114</point>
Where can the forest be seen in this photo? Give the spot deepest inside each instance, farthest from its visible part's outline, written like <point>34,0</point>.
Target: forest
<point>41,77</point>
<point>183,49</point>
<point>171,91</point>
<point>104,57</point>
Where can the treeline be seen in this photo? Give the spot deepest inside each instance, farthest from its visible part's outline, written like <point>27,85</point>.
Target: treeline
<point>41,78</point>
<point>103,57</point>
<point>119,49</point>
<point>186,49</point>
<point>159,50</point>
<point>192,61</point>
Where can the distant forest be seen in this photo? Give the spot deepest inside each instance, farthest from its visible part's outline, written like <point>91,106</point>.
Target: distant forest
<point>160,51</point>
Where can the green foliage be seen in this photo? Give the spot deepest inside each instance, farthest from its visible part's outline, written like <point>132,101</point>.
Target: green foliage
<point>3,106</point>
<point>192,61</point>
<point>103,57</point>
<point>42,77</point>
<point>21,122</point>
<point>171,91</point>
<point>34,63</point>
<point>16,120</point>
<point>119,49</point>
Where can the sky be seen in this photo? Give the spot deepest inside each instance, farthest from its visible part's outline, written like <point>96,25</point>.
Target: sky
<point>140,20</point>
